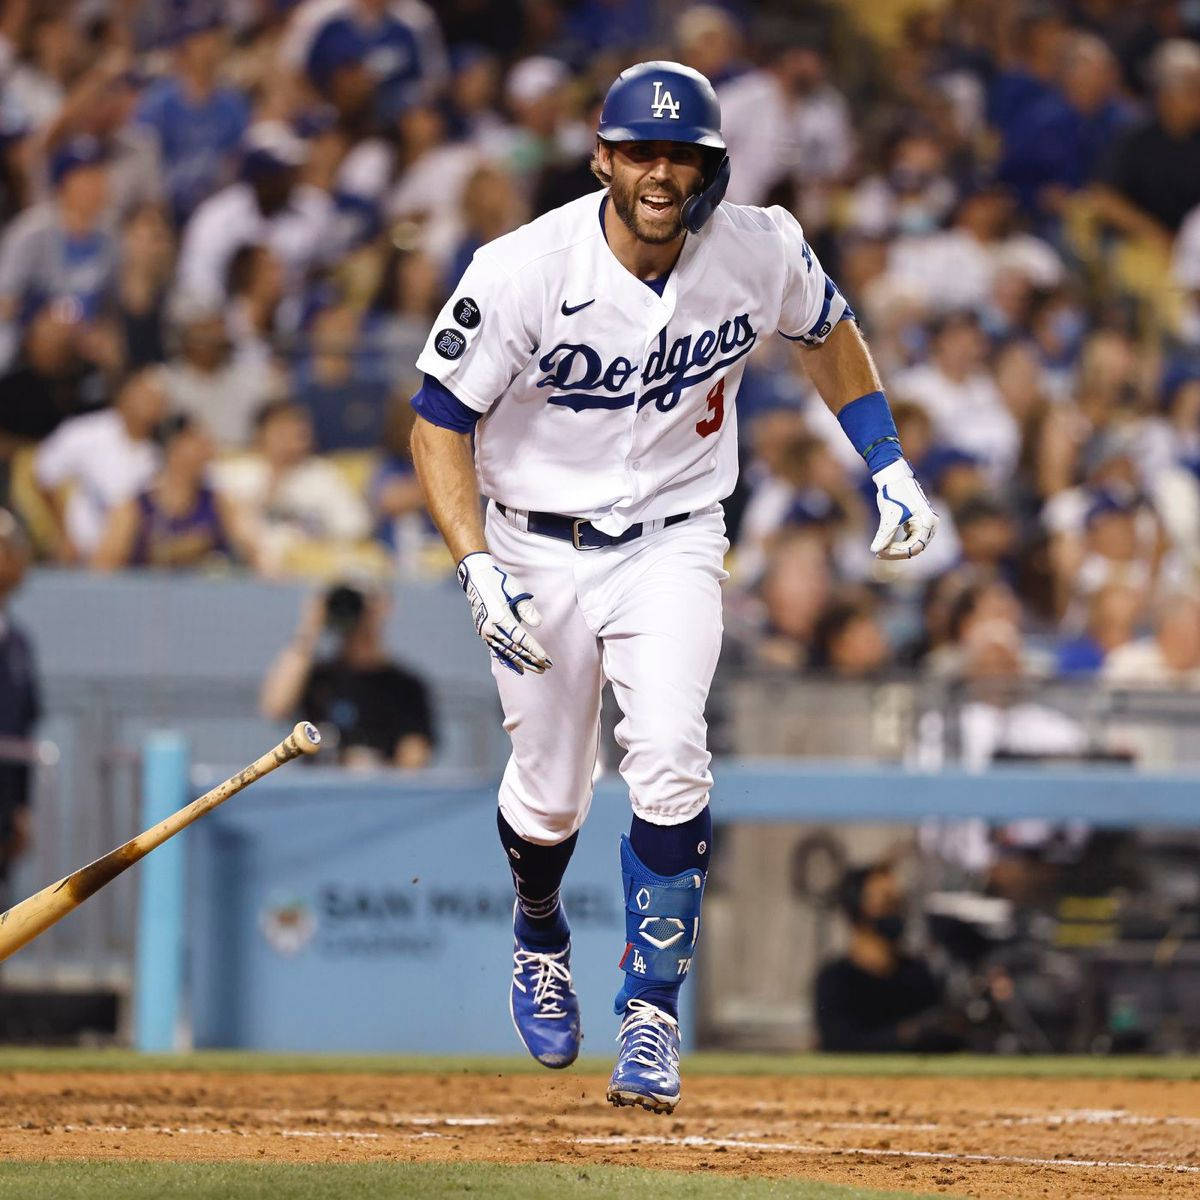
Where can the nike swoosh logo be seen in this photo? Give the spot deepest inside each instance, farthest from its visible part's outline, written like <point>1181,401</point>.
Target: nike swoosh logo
<point>569,309</point>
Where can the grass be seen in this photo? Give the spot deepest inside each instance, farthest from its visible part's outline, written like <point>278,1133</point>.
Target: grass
<point>391,1181</point>
<point>959,1065</point>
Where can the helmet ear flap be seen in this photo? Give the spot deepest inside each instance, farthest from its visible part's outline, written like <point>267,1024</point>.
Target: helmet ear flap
<point>697,209</point>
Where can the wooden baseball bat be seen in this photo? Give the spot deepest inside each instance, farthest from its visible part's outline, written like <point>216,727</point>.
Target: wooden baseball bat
<point>23,922</point>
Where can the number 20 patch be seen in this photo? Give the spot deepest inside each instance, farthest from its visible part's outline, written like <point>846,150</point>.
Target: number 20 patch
<point>449,343</point>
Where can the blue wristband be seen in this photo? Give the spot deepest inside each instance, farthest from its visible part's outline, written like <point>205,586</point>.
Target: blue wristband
<point>868,424</point>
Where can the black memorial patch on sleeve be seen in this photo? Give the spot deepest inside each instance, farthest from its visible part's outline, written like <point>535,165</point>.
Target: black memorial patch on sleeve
<point>449,343</point>
<point>466,313</point>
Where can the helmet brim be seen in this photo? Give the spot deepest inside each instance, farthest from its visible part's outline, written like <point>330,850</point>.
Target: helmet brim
<point>653,131</point>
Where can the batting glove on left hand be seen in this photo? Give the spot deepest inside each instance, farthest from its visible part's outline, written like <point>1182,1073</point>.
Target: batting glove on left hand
<point>906,522</point>
<point>501,612</point>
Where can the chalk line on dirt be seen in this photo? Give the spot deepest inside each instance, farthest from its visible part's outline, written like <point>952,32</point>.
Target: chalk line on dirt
<point>695,1140</point>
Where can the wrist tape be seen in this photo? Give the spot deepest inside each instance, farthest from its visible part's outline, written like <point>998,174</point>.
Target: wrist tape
<point>868,424</point>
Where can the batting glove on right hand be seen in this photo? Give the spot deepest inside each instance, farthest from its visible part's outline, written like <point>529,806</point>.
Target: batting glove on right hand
<point>906,522</point>
<point>501,613</point>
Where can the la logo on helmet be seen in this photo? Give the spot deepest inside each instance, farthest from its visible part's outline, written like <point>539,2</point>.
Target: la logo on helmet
<point>663,103</point>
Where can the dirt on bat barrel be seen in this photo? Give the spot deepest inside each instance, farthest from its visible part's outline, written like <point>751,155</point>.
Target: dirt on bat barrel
<point>90,879</point>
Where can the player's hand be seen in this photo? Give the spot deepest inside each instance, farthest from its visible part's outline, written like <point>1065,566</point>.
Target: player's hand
<point>906,522</point>
<point>502,611</point>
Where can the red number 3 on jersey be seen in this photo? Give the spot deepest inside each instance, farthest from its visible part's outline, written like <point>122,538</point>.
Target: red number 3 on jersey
<point>716,406</point>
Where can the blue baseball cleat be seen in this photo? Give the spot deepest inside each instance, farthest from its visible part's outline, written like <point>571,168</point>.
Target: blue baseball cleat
<point>543,1004</point>
<point>647,1070</point>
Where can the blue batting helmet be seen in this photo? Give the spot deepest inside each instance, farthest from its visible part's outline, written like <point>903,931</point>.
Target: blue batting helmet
<point>668,102</point>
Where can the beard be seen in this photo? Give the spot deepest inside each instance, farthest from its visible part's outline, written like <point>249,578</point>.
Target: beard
<point>656,231</point>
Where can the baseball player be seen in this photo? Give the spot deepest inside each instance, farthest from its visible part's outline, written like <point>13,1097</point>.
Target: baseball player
<point>593,358</point>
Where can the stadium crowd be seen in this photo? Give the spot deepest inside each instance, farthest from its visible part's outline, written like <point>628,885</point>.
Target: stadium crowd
<point>228,226</point>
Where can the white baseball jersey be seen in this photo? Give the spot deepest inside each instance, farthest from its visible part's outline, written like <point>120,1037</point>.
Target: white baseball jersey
<point>603,399</point>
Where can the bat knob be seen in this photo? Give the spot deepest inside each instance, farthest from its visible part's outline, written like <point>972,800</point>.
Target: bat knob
<point>307,737</point>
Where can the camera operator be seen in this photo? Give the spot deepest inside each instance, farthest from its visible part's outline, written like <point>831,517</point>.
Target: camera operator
<point>380,711</point>
<point>877,998</point>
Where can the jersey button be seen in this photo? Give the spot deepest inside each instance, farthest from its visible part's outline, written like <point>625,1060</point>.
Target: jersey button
<point>637,466</point>
<point>648,302</point>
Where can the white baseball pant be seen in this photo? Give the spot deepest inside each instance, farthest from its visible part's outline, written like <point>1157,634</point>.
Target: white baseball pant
<point>645,616</point>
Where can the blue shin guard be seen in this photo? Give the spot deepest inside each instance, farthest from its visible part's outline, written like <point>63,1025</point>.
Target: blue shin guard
<point>662,923</point>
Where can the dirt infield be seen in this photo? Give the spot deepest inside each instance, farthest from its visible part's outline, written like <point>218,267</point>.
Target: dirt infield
<point>1000,1137</point>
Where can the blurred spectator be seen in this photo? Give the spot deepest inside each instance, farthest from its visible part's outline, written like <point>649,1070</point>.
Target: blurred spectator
<point>785,123</point>
<point>432,175</point>
<point>957,268</point>
<point>267,206</point>
<point>256,292</point>
<point>1112,622</point>
<point>988,536</point>
<point>997,719</point>
<point>60,252</point>
<point>490,209</point>
<point>470,106</point>
<point>398,42</point>
<point>878,999</point>
<point>206,380</point>
<point>378,713</point>
<point>570,176</point>
<point>401,310</point>
<point>1151,180</point>
<point>913,195</point>
<point>1031,56</point>
<point>1056,144</point>
<point>710,42</point>
<point>93,463</point>
<point>143,278</point>
<point>960,395</point>
<point>20,700</point>
<point>849,643</point>
<point>795,589</point>
<point>772,482</point>
<point>50,53</point>
<point>958,604</point>
<point>178,521</point>
<point>102,105</point>
<point>198,122</point>
<point>66,366</point>
<point>336,67</point>
<point>294,497</point>
<point>1168,659</point>
<point>535,92</point>
<point>342,382</point>
<point>1121,541</point>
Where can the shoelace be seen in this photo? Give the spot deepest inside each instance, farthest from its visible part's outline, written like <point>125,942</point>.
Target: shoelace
<point>654,1036</point>
<point>550,975</point>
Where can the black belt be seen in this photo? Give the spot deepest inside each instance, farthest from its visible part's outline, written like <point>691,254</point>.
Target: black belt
<point>582,534</point>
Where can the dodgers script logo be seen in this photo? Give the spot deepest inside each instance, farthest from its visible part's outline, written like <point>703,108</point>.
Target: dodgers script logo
<point>664,103</point>
<point>581,379</point>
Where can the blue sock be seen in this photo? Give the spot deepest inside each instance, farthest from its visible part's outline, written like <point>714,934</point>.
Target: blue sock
<point>670,849</point>
<point>537,873</point>
<point>665,852</point>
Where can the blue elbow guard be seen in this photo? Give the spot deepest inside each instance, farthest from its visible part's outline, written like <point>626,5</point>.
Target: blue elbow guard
<point>662,920</point>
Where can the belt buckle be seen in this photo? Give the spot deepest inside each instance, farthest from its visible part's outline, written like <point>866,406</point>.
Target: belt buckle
<point>576,528</point>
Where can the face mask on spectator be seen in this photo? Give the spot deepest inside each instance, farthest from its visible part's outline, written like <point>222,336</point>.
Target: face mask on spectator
<point>890,927</point>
